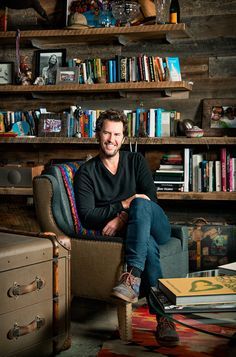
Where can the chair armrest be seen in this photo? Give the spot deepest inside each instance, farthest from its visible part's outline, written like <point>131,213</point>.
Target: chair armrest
<point>181,233</point>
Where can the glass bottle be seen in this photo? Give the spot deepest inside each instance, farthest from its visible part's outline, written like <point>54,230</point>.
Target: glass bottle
<point>174,12</point>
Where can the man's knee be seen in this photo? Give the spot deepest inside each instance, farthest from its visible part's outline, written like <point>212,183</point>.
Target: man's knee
<point>140,207</point>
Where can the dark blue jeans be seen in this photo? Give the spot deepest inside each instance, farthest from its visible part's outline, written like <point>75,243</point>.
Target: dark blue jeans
<point>148,227</point>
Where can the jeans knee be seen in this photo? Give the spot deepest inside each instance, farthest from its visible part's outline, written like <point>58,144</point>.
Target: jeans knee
<point>140,208</point>
<point>139,203</point>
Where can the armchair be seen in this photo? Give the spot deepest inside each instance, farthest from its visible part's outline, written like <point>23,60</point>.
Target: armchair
<point>93,257</point>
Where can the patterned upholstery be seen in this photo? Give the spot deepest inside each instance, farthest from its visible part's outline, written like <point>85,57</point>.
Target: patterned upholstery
<point>68,171</point>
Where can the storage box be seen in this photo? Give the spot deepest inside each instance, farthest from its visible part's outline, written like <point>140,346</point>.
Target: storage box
<point>34,295</point>
<point>210,245</point>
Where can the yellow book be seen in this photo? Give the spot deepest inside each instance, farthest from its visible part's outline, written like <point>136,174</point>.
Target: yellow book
<point>199,290</point>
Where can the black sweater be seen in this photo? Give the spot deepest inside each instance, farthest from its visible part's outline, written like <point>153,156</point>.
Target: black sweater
<point>98,193</point>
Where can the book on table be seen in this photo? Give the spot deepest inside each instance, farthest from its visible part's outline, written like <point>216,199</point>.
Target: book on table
<point>227,269</point>
<point>199,290</point>
<point>160,301</point>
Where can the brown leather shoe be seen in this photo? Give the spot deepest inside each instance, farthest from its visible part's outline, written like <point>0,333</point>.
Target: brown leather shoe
<point>166,333</point>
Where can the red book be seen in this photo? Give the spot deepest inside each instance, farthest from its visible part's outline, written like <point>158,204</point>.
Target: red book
<point>223,154</point>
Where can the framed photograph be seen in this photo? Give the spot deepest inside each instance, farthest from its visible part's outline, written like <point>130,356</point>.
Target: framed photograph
<point>52,125</point>
<point>6,72</point>
<point>67,75</point>
<point>219,117</point>
<point>48,62</point>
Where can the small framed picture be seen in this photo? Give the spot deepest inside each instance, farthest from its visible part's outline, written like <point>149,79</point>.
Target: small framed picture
<point>52,125</point>
<point>219,117</point>
<point>48,62</point>
<point>67,75</point>
<point>6,72</point>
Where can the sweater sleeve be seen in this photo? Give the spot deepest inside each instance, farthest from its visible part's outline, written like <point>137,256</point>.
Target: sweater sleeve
<point>145,182</point>
<point>91,215</point>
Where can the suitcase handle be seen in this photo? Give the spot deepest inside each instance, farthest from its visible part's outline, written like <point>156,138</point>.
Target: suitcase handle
<point>18,331</point>
<point>18,289</point>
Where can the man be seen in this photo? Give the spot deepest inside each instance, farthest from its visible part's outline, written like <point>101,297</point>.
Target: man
<point>115,193</point>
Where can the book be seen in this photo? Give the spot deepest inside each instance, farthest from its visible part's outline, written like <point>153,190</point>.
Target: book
<point>199,290</point>
<point>159,301</point>
<point>228,269</point>
<point>186,169</point>
<point>170,167</point>
<point>173,68</point>
<point>196,159</point>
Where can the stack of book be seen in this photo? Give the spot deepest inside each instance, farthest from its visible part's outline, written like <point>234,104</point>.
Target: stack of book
<point>170,175</point>
<point>198,294</point>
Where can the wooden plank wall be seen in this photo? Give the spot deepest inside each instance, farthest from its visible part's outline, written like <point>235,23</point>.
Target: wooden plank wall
<point>208,59</point>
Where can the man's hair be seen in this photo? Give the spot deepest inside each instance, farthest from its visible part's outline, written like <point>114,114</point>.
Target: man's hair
<point>113,115</point>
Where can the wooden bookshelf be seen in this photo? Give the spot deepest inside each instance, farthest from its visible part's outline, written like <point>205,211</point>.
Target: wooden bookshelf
<point>21,191</point>
<point>209,196</point>
<point>45,38</point>
<point>183,141</point>
<point>98,87</point>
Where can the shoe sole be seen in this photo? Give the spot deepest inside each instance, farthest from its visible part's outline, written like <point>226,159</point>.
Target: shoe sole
<point>168,343</point>
<point>123,297</point>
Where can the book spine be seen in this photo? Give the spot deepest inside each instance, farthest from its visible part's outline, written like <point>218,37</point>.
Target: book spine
<point>223,168</point>
<point>186,169</point>
<point>218,176</point>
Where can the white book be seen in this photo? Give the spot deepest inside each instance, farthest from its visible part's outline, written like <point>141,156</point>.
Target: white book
<point>170,167</point>
<point>186,169</point>
<point>218,175</point>
<point>211,175</point>
<point>171,171</point>
<point>152,119</point>
<point>234,174</point>
<point>175,182</point>
<point>196,159</point>
<point>165,124</point>
<point>227,269</point>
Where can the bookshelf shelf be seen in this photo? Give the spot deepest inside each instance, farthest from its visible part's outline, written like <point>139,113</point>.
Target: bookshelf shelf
<point>47,38</point>
<point>209,196</point>
<point>22,191</point>
<point>98,87</point>
<point>182,141</point>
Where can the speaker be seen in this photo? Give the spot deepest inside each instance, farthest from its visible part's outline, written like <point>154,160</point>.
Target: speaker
<point>18,176</point>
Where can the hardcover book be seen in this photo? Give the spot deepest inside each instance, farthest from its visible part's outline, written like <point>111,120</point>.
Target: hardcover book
<point>174,68</point>
<point>160,301</point>
<point>199,290</point>
<point>228,269</point>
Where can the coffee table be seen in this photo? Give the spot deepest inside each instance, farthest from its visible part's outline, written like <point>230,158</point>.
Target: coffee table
<point>220,323</point>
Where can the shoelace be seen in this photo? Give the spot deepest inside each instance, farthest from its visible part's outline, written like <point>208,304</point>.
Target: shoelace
<point>128,279</point>
<point>164,323</point>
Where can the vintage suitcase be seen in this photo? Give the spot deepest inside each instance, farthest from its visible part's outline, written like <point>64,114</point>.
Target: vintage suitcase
<point>34,294</point>
<point>210,244</point>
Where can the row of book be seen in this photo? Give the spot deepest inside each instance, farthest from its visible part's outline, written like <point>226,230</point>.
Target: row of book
<point>204,175</point>
<point>155,122</point>
<point>127,69</point>
<point>193,173</point>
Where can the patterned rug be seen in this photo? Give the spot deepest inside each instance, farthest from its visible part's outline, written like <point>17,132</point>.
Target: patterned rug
<point>192,343</point>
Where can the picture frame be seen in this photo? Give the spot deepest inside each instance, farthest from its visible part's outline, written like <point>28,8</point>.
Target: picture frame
<point>52,125</point>
<point>47,63</point>
<point>6,73</point>
<point>67,75</point>
<point>219,117</point>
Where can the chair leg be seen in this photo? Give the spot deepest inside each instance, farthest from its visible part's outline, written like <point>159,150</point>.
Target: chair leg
<point>124,312</point>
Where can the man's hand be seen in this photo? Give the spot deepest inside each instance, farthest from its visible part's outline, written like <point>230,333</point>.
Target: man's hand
<point>126,203</point>
<point>113,226</point>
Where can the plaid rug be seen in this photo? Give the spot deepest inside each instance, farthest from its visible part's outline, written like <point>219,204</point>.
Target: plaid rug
<point>192,343</point>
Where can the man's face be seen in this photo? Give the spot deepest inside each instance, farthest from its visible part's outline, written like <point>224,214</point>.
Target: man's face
<point>111,137</point>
